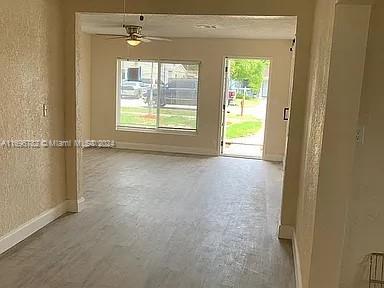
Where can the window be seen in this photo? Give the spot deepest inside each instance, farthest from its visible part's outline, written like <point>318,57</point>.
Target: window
<point>157,95</point>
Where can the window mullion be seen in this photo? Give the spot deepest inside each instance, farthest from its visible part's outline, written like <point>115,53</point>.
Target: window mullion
<point>118,88</point>
<point>159,65</point>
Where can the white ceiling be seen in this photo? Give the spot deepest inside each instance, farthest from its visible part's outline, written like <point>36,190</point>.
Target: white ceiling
<point>188,26</point>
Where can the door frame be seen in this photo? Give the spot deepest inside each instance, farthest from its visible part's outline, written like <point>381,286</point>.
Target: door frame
<point>223,103</point>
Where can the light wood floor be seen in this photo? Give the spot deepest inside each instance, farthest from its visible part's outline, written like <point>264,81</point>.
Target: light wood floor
<point>155,220</point>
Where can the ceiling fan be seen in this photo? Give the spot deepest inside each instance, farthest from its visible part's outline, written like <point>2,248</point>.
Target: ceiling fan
<point>134,35</point>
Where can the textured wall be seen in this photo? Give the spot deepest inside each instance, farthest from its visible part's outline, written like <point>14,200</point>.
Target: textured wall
<point>365,232</point>
<point>319,72</point>
<point>31,64</point>
<point>339,48</point>
<point>350,36</point>
<point>211,53</point>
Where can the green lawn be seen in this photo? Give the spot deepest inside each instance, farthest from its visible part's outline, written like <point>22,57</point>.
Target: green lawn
<point>237,125</point>
<point>172,118</point>
<point>242,126</point>
<point>145,110</point>
<point>243,129</point>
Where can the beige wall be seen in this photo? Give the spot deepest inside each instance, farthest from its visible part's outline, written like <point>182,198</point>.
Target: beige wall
<point>338,58</point>
<point>338,144</point>
<point>301,8</point>
<point>31,69</point>
<point>32,66</point>
<point>317,94</point>
<point>84,80</point>
<point>211,53</point>
<point>365,232</point>
<point>83,106</point>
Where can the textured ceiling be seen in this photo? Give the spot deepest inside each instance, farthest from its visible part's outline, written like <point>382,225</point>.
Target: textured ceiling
<point>188,26</point>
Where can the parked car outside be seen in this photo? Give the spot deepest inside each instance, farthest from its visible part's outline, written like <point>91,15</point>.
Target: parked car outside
<point>132,89</point>
<point>146,84</point>
<point>175,92</point>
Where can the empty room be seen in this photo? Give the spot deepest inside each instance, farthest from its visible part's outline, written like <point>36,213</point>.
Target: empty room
<point>191,144</point>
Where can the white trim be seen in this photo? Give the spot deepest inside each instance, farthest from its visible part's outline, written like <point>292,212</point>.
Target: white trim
<point>296,260</point>
<point>286,232</point>
<point>166,148</point>
<point>268,112</point>
<point>242,156</point>
<point>22,232</point>
<point>75,206</point>
<point>273,157</point>
<point>27,229</point>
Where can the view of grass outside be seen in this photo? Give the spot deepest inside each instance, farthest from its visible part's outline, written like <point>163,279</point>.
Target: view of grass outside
<point>243,129</point>
<point>142,117</point>
<point>247,92</point>
<point>242,126</point>
<point>140,106</point>
<point>237,125</point>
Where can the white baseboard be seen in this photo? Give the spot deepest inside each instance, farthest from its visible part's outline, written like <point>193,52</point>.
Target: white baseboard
<point>24,231</point>
<point>286,232</point>
<point>19,234</point>
<point>273,157</point>
<point>296,260</point>
<point>75,206</point>
<point>166,148</point>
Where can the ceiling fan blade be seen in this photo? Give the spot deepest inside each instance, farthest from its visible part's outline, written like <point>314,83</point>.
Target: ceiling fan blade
<point>111,36</point>
<point>117,37</point>
<point>157,38</point>
<point>145,40</point>
<point>108,25</point>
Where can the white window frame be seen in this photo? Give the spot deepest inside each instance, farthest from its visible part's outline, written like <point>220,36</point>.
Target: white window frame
<point>157,129</point>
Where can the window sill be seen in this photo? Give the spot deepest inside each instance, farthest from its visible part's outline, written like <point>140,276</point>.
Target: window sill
<point>166,131</point>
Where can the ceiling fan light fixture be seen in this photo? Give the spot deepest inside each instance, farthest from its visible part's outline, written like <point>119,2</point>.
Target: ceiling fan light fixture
<point>133,42</point>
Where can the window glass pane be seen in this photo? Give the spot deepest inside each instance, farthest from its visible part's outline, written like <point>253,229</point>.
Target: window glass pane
<point>178,95</point>
<point>137,85</point>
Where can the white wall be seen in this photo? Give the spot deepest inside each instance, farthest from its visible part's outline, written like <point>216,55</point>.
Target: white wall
<point>211,53</point>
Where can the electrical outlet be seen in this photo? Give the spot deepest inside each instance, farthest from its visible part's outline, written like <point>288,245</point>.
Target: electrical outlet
<point>360,134</point>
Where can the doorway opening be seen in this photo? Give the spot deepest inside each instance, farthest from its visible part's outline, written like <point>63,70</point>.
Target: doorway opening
<point>246,90</point>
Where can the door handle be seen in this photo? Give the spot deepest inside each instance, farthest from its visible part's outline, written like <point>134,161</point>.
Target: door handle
<point>286,114</point>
